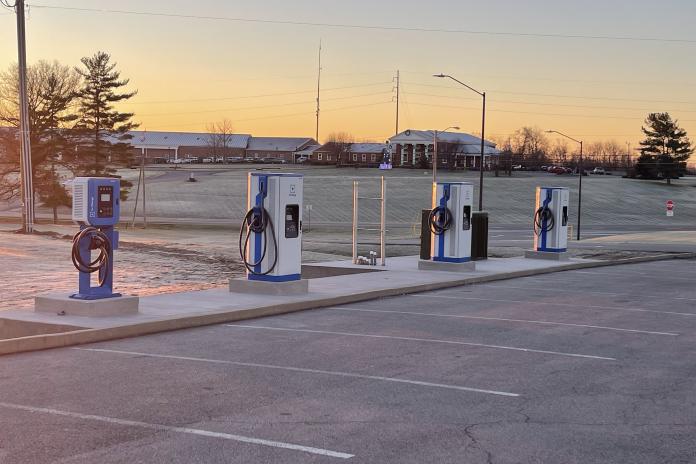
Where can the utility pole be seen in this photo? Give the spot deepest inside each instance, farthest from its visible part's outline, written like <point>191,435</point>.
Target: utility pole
<point>318,91</point>
<point>628,154</point>
<point>398,87</point>
<point>27,194</point>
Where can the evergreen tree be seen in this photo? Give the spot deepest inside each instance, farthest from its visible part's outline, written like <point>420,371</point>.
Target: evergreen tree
<point>102,128</point>
<point>665,150</point>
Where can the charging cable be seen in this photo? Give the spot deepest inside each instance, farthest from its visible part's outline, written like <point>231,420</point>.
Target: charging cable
<point>440,220</point>
<point>257,221</point>
<point>544,214</point>
<point>97,241</point>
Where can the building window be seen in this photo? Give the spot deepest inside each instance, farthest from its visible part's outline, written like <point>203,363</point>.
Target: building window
<point>319,156</point>
<point>328,157</point>
<point>364,157</point>
<point>373,157</point>
<point>355,157</point>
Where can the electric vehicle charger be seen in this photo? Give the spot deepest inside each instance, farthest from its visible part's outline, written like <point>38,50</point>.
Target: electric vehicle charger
<point>96,208</point>
<point>257,221</point>
<point>550,221</point>
<point>270,236</point>
<point>450,222</point>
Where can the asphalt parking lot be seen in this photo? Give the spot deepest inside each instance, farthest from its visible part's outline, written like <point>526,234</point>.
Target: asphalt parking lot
<point>592,366</point>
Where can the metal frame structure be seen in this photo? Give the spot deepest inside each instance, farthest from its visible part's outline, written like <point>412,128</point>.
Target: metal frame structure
<point>382,223</point>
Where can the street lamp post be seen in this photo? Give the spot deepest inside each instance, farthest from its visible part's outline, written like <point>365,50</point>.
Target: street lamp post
<point>435,150</point>
<point>580,172</point>
<point>483,132</point>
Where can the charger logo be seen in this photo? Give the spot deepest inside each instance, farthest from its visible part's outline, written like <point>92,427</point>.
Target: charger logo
<point>292,190</point>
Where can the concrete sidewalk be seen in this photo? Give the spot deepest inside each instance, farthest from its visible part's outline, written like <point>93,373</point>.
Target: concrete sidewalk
<point>160,313</point>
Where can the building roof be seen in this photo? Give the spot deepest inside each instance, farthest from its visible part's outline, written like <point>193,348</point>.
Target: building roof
<point>467,143</point>
<point>143,139</point>
<point>292,144</point>
<point>368,147</point>
<point>308,150</point>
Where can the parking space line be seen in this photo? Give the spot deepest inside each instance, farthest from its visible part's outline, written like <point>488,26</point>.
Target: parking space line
<point>427,340</point>
<point>556,282</point>
<point>304,370</point>
<point>632,275</point>
<point>549,303</point>
<point>184,430</point>
<point>503,319</point>
<point>565,290</point>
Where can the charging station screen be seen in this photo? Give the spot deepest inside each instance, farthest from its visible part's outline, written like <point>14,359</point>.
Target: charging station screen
<point>105,205</point>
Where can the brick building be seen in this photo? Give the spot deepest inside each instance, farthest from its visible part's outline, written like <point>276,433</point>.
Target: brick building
<point>181,145</point>
<point>456,150</point>
<point>277,147</point>
<point>354,154</point>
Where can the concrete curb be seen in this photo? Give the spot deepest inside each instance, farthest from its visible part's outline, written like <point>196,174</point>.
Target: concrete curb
<point>80,337</point>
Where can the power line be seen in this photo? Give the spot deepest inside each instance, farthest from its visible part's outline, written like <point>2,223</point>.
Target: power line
<point>304,102</point>
<point>545,104</point>
<point>581,97</point>
<point>536,113</point>
<point>280,94</point>
<point>373,27</point>
<point>289,115</point>
<point>516,77</point>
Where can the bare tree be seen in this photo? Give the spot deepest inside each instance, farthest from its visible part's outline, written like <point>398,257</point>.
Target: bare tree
<point>559,152</point>
<point>339,144</point>
<point>530,145</point>
<point>220,136</point>
<point>51,92</point>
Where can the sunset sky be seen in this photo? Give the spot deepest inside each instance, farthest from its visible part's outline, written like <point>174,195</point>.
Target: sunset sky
<point>262,75</point>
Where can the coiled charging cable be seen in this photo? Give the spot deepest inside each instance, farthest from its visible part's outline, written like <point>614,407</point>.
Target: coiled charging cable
<point>98,241</point>
<point>440,220</point>
<point>544,213</point>
<point>257,221</point>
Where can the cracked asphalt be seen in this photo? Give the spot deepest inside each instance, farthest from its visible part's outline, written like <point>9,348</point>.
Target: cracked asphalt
<point>590,366</point>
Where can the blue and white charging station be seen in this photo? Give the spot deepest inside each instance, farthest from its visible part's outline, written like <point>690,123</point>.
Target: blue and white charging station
<point>450,222</point>
<point>96,208</point>
<point>270,239</point>
<point>551,219</point>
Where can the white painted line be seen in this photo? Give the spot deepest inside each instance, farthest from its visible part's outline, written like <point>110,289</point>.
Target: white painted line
<point>428,340</point>
<point>632,275</point>
<point>503,319</point>
<point>305,370</point>
<point>550,303</point>
<point>566,283</point>
<point>546,289</point>
<point>186,430</point>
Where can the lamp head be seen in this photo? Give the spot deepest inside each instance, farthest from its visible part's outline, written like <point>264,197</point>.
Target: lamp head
<point>439,75</point>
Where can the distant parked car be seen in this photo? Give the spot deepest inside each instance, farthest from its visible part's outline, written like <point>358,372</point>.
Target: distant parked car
<point>271,160</point>
<point>301,159</point>
<point>598,171</point>
<point>208,159</point>
<point>545,168</point>
<point>519,167</point>
<point>235,159</point>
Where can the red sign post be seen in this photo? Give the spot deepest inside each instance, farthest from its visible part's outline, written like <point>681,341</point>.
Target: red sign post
<point>670,207</point>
